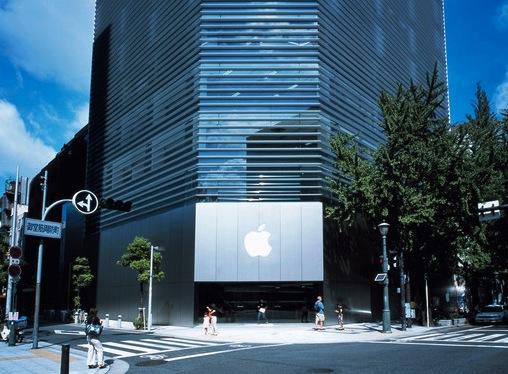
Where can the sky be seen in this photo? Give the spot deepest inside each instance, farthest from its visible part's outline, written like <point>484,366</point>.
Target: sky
<point>45,64</point>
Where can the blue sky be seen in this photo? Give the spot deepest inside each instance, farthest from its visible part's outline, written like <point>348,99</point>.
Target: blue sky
<point>45,56</point>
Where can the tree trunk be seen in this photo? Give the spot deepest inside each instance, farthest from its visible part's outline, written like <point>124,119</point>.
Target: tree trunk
<point>408,296</point>
<point>141,290</point>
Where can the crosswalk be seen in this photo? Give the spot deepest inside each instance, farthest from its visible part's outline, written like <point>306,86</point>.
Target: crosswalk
<point>146,346</point>
<point>482,336</point>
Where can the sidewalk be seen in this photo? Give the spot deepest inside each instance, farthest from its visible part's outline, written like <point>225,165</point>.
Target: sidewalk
<point>294,333</point>
<point>22,359</point>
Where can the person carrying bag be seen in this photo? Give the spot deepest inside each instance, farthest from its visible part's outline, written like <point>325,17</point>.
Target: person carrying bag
<point>93,331</point>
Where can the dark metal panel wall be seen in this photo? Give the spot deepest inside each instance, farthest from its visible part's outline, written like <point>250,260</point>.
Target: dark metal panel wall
<point>117,288</point>
<point>144,104</point>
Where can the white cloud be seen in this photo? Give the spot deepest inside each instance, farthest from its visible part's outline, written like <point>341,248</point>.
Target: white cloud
<point>502,16</point>
<point>80,119</point>
<point>51,39</point>
<point>501,95</point>
<point>18,146</point>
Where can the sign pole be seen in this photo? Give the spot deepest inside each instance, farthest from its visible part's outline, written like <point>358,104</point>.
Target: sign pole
<point>10,280</point>
<point>35,339</point>
<point>86,203</point>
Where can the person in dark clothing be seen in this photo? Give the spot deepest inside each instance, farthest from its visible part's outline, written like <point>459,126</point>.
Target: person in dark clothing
<point>340,317</point>
<point>305,313</point>
<point>261,311</point>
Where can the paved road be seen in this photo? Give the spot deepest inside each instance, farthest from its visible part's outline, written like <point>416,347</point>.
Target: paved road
<point>478,349</point>
<point>495,337</point>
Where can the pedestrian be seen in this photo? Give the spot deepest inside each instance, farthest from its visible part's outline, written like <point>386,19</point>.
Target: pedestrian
<point>93,330</point>
<point>304,313</point>
<point>212,319</point>
<point>319,307</point>
<point>261,311</point>
<point>340,317</point>
<point>206,323</point>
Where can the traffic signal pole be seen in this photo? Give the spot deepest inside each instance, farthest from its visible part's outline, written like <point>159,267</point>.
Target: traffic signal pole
<point>86,203</point>
<point>402,291</point>
<point>35,340</point>
<point>10,280</point>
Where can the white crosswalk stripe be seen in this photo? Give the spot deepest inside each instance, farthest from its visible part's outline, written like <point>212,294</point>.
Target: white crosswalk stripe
<point>143,342</point>
<point>488,337</point>
<point>441,337</point>
<point>128,348</point>
<point>423,336</point>
<point>180,344</point>
<point>198,342</point>
<point>115,352</point>
<point>463,337</point>
<point>472,337</point>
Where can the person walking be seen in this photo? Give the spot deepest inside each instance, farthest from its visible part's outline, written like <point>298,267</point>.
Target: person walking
<point>206,323</point>
<point>261,311</point>
<point>319,307</point>
<point>93,330</point>
<point>304,316</point>
<point>213,320</point>
<point>340,317</point>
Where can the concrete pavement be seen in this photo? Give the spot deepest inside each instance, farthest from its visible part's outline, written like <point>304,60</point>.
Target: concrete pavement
<point>46,359</point>
<point>295,333</point>
<point>22,359</point>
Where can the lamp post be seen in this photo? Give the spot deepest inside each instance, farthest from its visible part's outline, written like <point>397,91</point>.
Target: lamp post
<point>383,229</point>
<point>152,249</point>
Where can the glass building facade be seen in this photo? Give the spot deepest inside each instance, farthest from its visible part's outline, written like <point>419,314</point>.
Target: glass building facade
<point>217,101</point>
<point>236,100</point>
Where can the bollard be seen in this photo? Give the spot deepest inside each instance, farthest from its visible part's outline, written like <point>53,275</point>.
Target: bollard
<point>12,333</point>
<point>106,322</point>
<point>64,360</point>
<point>76,315</point>
<point>119,322</point>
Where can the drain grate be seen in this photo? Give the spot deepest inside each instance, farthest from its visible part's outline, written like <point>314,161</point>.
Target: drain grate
<point>320,370</point>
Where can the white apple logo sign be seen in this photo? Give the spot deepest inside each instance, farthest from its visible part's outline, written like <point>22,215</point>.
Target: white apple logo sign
<point>256,242</point>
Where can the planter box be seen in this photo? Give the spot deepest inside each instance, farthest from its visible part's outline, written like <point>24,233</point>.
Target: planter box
<point>444,322</point>
<point>459,321</point>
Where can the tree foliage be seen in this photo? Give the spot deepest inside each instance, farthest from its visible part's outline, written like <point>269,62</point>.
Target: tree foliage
<point>426,179</point>
<point>82,277</point>
<point>137,257</point>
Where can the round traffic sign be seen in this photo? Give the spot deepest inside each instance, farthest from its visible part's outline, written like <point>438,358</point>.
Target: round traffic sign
<point>14,270</point>
<point>85,201</point>
<point>15,252</point>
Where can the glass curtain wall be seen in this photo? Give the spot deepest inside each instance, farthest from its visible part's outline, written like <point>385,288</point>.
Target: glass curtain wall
<point>259,132</point>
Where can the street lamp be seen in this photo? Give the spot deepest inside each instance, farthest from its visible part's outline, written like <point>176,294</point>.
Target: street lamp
<point>152,249</point>
<point>383,229</point>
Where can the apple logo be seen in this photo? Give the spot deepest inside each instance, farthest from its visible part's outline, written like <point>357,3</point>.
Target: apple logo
<point>256,242</point>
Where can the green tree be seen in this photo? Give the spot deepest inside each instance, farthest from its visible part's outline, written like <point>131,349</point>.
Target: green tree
<point>426,179</point>
<point>81,277</point>
<point>482,246</point>
<point>137,257</point>
<point>397,181</point>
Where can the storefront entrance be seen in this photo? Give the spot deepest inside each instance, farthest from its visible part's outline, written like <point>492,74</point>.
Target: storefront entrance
<point>237,302</point>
